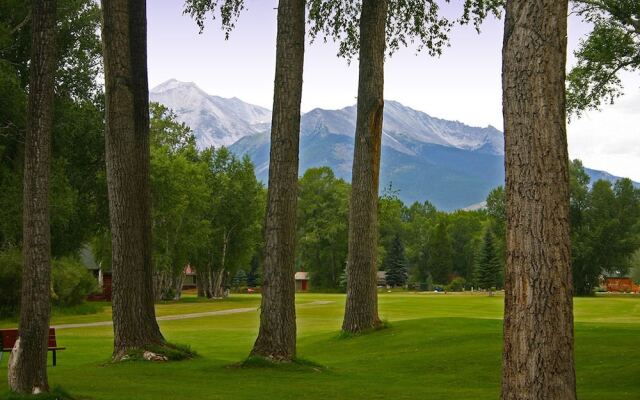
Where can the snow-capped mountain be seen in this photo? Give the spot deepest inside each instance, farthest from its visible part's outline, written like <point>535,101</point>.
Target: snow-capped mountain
<point>451,164</point>
<point>216,121</point>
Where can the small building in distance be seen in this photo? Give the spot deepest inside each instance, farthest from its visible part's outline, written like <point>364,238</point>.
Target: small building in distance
<point>381,277</point>
<point>302,281</point>
<point>190,278</point>
<point>620,285</point>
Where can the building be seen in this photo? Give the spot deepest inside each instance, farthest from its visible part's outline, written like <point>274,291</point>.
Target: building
<point>302,281</point>
<point>190,280</point>
<point>620,285</point>
<point>381,278</point>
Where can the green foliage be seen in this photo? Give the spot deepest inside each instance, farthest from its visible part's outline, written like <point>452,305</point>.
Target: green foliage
<point>416,23</point>
<point>612,47</point>
<point>605,229</point>
<point>488,269</point>
<point>227,10</point>
<point>323,202</point>
<point>10,281</point>
<point>395,264</point>
<point>440,262</point>
<point>71,282</point>
<point>239,279</point>
<point>78,186</point>
<point>457,284</point>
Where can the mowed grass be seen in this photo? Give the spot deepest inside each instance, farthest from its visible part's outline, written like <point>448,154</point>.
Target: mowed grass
<point>437,347</point>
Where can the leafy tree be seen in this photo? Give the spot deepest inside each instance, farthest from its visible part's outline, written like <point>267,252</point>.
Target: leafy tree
<point>395,264</point>
<point>28,365</point>
<point>277,335</point>
<point>128,162</point>
<point>421,218</point>
<point>440,261</point>
<point>487,270</point>
<point>323,202</point>
<point>611,47</point>
<point>464,228</point>
<point>180,201</point>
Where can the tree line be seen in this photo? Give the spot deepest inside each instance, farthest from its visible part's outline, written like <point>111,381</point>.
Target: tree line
<point>51,48</point>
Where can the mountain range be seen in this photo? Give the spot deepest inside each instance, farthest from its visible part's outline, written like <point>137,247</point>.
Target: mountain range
<point>451,164</point>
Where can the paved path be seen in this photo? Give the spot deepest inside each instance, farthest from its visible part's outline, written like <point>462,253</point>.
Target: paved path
<point>185,316</point>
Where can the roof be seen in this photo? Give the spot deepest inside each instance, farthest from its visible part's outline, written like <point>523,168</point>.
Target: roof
<point>189,270</point>
<point>381,274</point>
<point>302,276</point>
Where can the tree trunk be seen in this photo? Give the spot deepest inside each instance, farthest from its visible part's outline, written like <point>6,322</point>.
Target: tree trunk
<point>361,311</point>
<point>127,154</point>
<point>28,364</point>
<point>277,336</point>
<point>538,322</point>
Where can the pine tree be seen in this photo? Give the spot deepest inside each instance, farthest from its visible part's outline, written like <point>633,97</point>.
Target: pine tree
<point>395,263</point>
<point>487,272</point>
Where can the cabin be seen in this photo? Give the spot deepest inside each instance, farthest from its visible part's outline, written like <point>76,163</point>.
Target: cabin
<point>190,278</point>
<point>381,277</point>
<point>620,285</point>
<point>302,281</point>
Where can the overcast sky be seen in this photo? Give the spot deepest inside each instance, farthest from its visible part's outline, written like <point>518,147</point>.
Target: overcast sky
<point>463,84</point>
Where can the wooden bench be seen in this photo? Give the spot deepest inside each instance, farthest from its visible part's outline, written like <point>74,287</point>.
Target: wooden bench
<point>8,338</point>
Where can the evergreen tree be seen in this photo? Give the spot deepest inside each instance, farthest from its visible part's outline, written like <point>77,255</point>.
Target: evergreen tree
<point>487,273</point>
<point>253,277</point>
<point>395,263</point>
<point>440,255</point>
<point>239,279</point>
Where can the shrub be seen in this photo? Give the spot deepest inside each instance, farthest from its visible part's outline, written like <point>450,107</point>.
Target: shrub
<point>72,282</point>
<point>10,277</point>
<point>456,285</point>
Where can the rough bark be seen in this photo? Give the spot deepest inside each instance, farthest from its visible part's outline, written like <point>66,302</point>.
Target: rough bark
<point>538,323</point>
<point>277,336</point>
<point>127,155</point>
<point>28,363</point>
<point>361,311</point>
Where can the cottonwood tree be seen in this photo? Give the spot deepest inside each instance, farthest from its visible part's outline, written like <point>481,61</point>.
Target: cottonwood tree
<point>538,358</point>
<point>370,29</point>
<point>124,35</point>
<point>612,47</point>
<point>28,363</point>
<point>277,336</point>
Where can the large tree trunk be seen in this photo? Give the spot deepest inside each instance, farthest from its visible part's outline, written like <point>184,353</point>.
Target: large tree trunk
<point>538,322</point>
<point>28,364</point>
<point>277,336</point>
<point>127,152</point>
<point>361,312</point>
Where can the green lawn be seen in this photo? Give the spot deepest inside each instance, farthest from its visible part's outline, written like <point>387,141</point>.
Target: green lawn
<point>438,347</point>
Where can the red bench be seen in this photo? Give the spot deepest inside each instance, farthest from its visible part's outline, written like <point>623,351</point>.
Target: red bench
<point>8,338</point>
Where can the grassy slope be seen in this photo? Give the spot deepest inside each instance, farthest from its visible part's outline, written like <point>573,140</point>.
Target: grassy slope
<point>439,347</point>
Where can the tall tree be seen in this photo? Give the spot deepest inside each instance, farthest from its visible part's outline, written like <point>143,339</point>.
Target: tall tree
<point>361,311</point>
<point>538,321</point>
<point>124,35</point>
<point>440,254</point>
<point>28,364</point>
<point>277,336</point>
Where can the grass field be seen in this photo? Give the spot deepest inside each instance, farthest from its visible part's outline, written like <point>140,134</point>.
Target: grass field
<point>438,347</point>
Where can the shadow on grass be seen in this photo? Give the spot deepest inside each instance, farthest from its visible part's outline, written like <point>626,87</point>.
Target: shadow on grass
<point>384,325</point>
<point>55,394</point>
<point>158,353</point>
<point>296,365</point>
